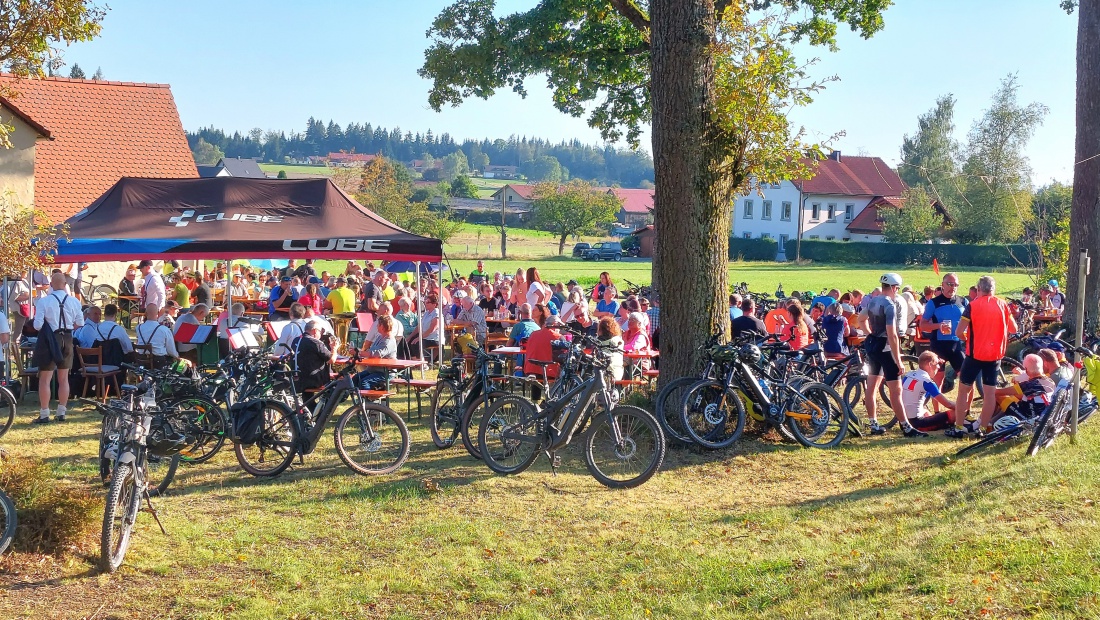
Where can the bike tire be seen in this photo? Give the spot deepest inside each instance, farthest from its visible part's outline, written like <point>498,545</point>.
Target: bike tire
<point>473,414</point>
<point>712,414</point>
<point>1051,424</point>
<point>277,446</point>
<point>7,410</point>
<point>119,516</point>
<point>510,456</point>
<point>160,471</point>
<point>996,437</point>
<point>11,521</point>
<point>828,422</point>
<point>368,447</point>
<point>853,395</point>
<point>102,294</point>
<point>211,428</point>
<point>667,409</point>
<point>445,422</point>
<point>623,468</point>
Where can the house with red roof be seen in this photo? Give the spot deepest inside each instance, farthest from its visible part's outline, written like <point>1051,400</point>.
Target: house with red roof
<point>73,139</point>
<point>839,202</point>
<point>637,209</point>
<point>515,196</point>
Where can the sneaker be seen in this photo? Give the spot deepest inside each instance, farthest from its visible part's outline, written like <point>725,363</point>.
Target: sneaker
<point>955,433</point>
<point>876,429</point>
<point>60,417</point>
<point>912,432</point>
<point>41,421</point>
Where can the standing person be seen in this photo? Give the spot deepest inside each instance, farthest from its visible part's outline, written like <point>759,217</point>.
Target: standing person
<point>291,267</point>
<point>61,312</point>
<point>1056,299</point>
<point>984,326</point>
<point>881,319</point>
<point>306,271</point>
<point>941,319</point>
<point>341,299</point>
<point>19,305</point>
<point>479,275</point>
<point>605,281</point>
<point>152,286</point>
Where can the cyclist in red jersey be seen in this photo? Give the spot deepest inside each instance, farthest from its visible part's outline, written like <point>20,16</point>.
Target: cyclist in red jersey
<point>984,326</point>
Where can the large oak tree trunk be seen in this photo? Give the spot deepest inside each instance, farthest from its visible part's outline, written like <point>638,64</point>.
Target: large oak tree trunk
<point>691,218</point>
<point>1085,219</point>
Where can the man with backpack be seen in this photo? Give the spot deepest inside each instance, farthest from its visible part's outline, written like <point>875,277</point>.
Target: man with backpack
<point>56,316</point>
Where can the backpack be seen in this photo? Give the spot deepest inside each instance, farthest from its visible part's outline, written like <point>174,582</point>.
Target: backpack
<point>112,349</point>
<point>248,422</point>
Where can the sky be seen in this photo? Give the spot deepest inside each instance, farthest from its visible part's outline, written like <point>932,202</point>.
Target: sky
<point>273,64</point>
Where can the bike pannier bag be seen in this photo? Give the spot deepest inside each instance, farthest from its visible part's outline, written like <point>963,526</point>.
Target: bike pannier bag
<point>248,421</point>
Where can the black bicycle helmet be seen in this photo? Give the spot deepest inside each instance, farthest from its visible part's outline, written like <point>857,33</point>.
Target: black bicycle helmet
<point>750,353</point>
<point>163,439</point>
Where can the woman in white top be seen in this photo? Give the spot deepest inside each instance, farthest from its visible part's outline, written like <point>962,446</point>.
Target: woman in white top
<point>537,292</point>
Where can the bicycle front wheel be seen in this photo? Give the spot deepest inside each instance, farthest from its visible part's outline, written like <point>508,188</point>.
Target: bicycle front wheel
<point>667,409</point>
<point>510,434</point>
<point>473,416</point>
<point>7,410</point>
<point>816,416</point>
<point>275,449</point>
<point>206,425</point>
<point>446,416</point>
<point>624,447</point>
<point>1052,423</point>
<point>713,414</point>
<point>7,508</point>
<point>372,439</point>
<point>119,516</point>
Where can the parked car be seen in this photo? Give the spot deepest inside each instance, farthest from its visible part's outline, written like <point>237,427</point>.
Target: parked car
<point>580,248</point>
<point>605,250</point>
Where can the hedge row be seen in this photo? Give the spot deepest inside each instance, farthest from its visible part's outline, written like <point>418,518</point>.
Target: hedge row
<point>848,252</point>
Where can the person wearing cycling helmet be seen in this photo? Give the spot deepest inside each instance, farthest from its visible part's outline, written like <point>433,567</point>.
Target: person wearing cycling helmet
<point>881,320</point>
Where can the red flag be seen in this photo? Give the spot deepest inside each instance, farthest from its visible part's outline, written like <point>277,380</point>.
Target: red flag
<point>936,266</point>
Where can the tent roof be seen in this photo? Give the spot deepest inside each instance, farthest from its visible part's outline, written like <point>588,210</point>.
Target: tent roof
<point>230,217</point>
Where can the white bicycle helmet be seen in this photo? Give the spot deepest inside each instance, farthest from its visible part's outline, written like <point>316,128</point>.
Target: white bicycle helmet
<point>890,279</point>
<point>1004,422</point>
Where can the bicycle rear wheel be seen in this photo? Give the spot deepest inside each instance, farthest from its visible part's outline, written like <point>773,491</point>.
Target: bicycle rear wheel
<point>473,416</point>
<point>372,439</point>
<point>994,438</point>
<point>631,460</point>
<point>712,414</point>
<point>206,423</point>
<point>7,508</point>
<point>119,516</point>
<point>278,443</point>
<point>1052,423</point>
<point>446,416</point>
<point>817,416</point>
<point>7,410</point>
<point>160,471</point>
<point>667,409</point>
<point>511,434</point>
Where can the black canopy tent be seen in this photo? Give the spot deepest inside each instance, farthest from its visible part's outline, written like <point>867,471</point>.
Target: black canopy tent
<point>227,218</point>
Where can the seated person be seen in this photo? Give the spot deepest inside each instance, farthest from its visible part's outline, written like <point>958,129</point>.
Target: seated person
<point>1029,394</point>
<point>917,387</point>
<point>610,336</point>
<point>196,316</point>
<point>540,347</point>
<point>430,330</point>
<point>1056,366</point>
<point>473,319</point>
<point>747,324</point>
<point>797,333</point>
<point>158,337</point>
<point>313,358</point>
<point>522,330</point>
<point>384,310</point>
<point>109,329</point>
<point>635,340</point>
<point>279,301</point>
<point>836,330</point>
<point>294,329</point>
<point>169,313</point>
<point>383,346</point>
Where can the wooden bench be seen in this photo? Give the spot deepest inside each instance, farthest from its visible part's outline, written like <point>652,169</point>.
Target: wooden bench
<point>415,385</point>
<point>629,385</point>
<point>376,395</point>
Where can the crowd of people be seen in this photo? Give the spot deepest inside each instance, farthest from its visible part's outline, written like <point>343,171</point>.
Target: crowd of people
<point>411,318</point>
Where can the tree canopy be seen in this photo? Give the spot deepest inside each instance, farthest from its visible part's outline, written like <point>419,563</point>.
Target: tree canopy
<point>385,188</point>
<point>916,222</point>
<point>572,209</point>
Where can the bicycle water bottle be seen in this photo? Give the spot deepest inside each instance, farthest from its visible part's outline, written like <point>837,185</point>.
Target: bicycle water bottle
<point>764,388</point>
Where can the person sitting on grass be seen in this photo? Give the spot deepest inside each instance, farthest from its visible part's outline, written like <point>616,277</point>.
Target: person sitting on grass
<point>917,388</point>
<point>1056,366</point>
<point>1030,392</point>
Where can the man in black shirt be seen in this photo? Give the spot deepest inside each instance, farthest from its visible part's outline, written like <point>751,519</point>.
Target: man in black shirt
<point>203,294</point>
<point>313,358</point>
<point>288,271</point>
<point>747,323</point>
<point>305,272</point>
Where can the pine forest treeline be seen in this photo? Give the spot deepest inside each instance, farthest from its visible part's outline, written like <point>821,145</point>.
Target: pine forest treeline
<point>606,165</point>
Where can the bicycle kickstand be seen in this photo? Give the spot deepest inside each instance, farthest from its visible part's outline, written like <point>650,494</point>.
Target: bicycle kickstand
<point>153,511</point>
<point>555,462</point>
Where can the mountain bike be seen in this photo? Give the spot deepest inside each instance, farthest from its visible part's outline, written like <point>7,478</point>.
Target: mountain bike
<point>96,294</point>
<point>7,516</point>
<point>370,437</point>
<point>714,415</point>
<point>182,392</point>
<point>7,409</point>
<point>459,400</point>
<point>623,446</point>
<point>670,397</point>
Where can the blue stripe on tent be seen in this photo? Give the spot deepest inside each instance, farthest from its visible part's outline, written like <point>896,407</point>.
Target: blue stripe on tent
<point>91,247</point>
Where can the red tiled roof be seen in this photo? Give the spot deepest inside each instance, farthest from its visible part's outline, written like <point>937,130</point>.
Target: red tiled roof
<point>21,115</point>
<point>643,229</point>
<point>853,176</point>
<point>635,200</point>
<point>527,192</point>
<point>868,221</point>
<point>102,131</point>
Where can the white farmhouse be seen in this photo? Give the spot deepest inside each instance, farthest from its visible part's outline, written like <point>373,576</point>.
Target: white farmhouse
<point>839,203</point>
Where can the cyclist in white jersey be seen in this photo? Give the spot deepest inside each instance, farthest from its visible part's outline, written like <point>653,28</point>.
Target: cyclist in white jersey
<point>917,388</point>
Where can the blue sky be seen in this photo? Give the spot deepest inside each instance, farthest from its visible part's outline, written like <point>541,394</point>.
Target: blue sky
<point>243,64</point>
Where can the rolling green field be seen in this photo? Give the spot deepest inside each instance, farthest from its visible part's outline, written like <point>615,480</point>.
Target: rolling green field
<point>880,528</point>
<point>274,169</point>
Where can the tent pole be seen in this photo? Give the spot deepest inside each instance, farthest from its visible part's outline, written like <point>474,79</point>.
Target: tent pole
<point>228,295</point>
<point>8,351</point>
<point>419,319</point>
<point>439,309</point>
<point>79,293</point>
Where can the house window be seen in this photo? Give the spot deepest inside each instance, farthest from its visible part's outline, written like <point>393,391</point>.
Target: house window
<point>748,209</point>
<point>766,213</point>
<point>748,235</point>
<point>786,214</point>
<point>765,235</point>
<point>846,239</point>
<point>815,212</point>
<point>777,185</point>
<point>814,237</point>
<point>832,212</point>
<point>849,211</point>
<point>830,238</point>
<point>783,240</point>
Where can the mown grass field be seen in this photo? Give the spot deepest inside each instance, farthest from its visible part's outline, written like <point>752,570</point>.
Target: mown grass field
<point>274,169</point>
<point>881,528</point>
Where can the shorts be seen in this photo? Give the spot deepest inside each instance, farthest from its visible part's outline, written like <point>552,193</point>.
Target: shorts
<point>951,351</point>
<point>43,359</point>
<point>882,364</point>
<point>972,368</point>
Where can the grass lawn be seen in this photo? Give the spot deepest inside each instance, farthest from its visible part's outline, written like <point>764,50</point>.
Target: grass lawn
<point>297,169</point>
<point>881,528</point>
<point>486,187</point>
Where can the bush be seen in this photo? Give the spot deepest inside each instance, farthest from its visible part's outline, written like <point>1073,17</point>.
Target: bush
<point>948,254</point>
<point>753,249</point>
<point>54,515</point>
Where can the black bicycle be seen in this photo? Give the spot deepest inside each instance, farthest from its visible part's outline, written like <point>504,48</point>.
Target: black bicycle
<point>370,437</point>
<point>7,409</point>
<point>7,516</point>
<point>671,397</point>
<point>459,400</point>
<point>623,445</point>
